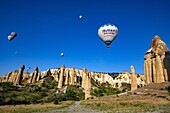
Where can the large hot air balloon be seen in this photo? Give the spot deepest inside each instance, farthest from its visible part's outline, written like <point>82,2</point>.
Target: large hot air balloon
<point>108,33</point>
<point>12,36</point>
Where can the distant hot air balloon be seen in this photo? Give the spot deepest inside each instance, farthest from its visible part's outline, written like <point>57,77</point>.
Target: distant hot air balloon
<point>80,17</point>
<point>108,33</point>
<point>62,54</point>
<point>12,36</point>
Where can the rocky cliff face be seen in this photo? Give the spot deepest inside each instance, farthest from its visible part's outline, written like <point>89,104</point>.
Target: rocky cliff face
<point>157,62</point>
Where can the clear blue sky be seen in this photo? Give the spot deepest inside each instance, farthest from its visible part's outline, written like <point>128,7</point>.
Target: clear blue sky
<point>46,28</point>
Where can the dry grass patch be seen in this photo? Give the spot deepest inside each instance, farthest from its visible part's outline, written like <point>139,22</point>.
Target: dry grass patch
<point>129,103</point>
<point>33,107</point>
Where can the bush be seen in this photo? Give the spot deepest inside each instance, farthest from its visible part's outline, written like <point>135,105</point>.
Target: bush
<point>56,101</point>
<point>34,88</point>
<point>98,93</point>
<point>102,90</point>
<point>168,89</point>
<point>70,95</point>
<point>74,93</point>
<point>6,84</point>
<point>50,85</point>
<point>35,99</point>
<point>112,91</point>
<point>54,85</point>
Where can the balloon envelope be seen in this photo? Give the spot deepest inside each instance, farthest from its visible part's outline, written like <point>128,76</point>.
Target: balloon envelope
<point>108,33</point>
<point>80,16</point>
<point>12,36</point>
<point>62,54</point>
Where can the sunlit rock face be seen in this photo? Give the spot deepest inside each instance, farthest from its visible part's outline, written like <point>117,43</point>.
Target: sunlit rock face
<point>133,79</point>
<point>71,76</point>
<point>126,77</point>
<point>60,83</point>
<point>157,62</point>
<point>20,75</point>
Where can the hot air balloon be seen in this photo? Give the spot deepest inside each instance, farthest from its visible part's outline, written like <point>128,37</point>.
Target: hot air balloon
<point>80,17</point>
<point>62,54</point>
<point>108,33</point>
<point>12,36</point>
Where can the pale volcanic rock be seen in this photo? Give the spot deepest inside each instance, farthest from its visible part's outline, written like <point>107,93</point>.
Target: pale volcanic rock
<point>26,75</point>
<point>72,76</point>
<point>60,82</point>
<point>66,76</point>
<point>20,74</point>
<point>133,79</point>
<point>87,85</point>
<point>14,74</point>
<point>35,74</point>
<point>157,62</point>
<point>84,74</point>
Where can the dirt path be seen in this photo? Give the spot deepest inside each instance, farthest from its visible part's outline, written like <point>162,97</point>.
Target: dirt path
<point>76,108</point>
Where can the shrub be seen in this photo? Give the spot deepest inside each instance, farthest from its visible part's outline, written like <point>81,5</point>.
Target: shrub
<point>168,89</point>
<point>56,101</point>
<point>70,95</point>
<point>34,88</point>
<point>97,93</point>
<point>6,84</point>
<point>54,85</point>
<point>111,91</point>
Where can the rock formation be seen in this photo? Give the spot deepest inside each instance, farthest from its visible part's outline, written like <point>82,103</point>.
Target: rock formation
<point>26,75</point>
<point>72,76</point>
<point>39,76</point>
<point>66,77</point>
<point>84,74</point>
<point>20,74</point>
<point>133,79</point>
<point>60,82</point>
<point>87,85</point>
<point>34,75</point>
<point>157,62</point>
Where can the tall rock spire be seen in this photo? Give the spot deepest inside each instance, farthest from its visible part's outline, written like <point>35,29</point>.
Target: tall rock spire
<point>20,74</point>
<point>60,82</point>
<point>87,87</point>
<point>35,75</point>
<point>133,79</point>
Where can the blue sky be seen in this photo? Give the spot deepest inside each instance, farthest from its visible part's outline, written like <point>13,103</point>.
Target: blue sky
<point>46,28</point>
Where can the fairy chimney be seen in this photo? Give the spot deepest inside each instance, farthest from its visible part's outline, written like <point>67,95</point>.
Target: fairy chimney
<point>157,62</point>
<point>20,74</point>
<point>38,76</point>
<point>60,82</point>
<point>83,78</point>
<point>35,74</point>
<point>72,76</point>
<point>14,76</point>
<point>66,76</point>
<point>87,86</point>
<point>133,79</point>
